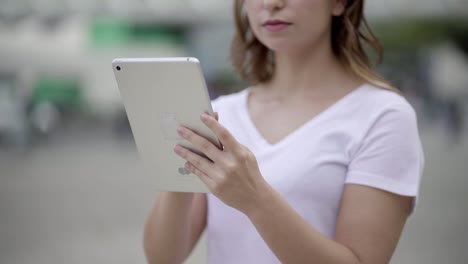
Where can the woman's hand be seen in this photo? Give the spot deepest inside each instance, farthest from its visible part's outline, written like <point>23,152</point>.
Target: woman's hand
<point>233,174</point>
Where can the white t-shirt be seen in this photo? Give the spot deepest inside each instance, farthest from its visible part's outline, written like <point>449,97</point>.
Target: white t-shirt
<point>369,137</point>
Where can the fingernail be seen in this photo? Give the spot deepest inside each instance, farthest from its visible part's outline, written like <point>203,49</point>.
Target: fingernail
<point>177,149</point>
<point>180,130</point>
<point>204,117</point>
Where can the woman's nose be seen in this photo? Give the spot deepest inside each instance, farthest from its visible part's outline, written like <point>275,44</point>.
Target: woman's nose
<point>273,5</point>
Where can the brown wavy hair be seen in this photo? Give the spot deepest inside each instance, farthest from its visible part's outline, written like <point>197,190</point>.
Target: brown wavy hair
<point>255,63</point>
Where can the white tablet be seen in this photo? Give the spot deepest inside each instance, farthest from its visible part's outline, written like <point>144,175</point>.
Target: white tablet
<point>160,94</point>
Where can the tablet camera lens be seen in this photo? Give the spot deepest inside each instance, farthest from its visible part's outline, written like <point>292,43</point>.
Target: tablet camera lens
<point>118,68</point>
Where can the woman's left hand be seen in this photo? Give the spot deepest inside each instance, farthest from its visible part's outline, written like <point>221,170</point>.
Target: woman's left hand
<point>232,174</point>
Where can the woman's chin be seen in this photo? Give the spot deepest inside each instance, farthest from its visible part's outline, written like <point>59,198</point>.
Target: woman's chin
<point>279,46</point>
<point>283,49</point>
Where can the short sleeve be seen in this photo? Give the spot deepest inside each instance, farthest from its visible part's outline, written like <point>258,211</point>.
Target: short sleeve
<point>390,156</point>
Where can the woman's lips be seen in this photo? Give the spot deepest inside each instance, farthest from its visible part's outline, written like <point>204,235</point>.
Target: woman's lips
<point>276,25</point>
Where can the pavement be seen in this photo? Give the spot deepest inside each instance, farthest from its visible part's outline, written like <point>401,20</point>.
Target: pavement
<point>81,196</point>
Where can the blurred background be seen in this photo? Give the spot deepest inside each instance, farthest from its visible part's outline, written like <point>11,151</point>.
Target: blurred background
<point>72,188</point>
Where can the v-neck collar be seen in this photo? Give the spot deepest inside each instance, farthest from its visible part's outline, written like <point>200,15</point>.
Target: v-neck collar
<point>261,142</point>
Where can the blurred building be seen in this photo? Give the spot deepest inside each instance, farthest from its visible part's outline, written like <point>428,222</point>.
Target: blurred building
<point>416,8</point>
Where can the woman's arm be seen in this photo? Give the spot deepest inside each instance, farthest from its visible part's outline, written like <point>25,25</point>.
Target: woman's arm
<point>369,225</point>
<point>174,226</point>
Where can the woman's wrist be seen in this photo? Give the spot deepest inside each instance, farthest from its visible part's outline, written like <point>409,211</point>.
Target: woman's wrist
<point>260,202</point>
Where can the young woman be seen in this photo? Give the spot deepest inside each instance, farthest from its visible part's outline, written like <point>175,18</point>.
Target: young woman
<point>321,161</point>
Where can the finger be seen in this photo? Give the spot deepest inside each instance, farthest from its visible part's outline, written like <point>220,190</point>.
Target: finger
<point>219,142</point>
<point>221,132</point>
<point>201,143</point>
<point>196,160</point>
<point>215,114</point>
<point>203,176</point>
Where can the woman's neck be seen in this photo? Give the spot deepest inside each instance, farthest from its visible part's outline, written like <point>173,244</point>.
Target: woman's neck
<point>312,72</point>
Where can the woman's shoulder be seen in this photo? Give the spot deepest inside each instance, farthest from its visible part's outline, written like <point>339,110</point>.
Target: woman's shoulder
<point>381,113</point>
<point>376,99</point>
